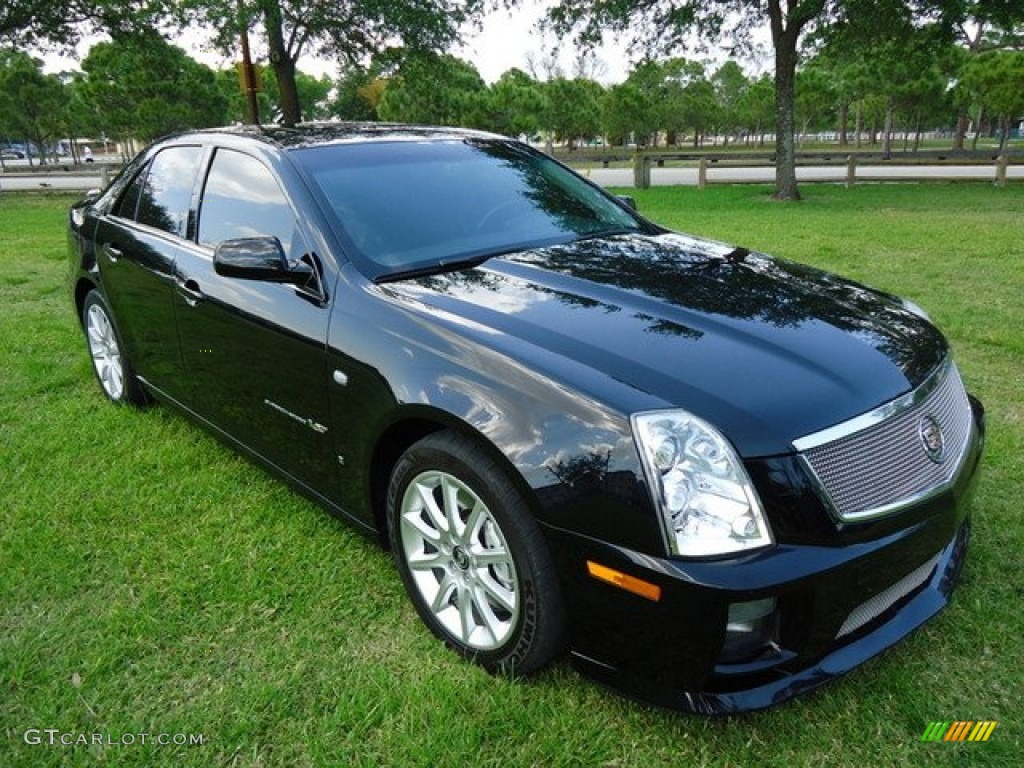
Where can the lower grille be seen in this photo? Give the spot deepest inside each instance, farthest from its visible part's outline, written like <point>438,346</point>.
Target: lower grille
<point>883,601</point>
<point>884,460</point>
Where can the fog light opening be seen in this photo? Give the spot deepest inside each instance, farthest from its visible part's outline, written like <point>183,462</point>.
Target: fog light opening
<point>749,630</point>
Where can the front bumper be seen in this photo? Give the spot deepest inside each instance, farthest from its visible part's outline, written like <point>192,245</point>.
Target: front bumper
<point>836,607</point>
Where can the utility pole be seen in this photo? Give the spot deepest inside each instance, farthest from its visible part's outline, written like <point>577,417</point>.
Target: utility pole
<point>248,75</point>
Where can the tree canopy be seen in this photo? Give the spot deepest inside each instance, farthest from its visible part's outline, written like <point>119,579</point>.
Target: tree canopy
<point>36,22</point>
<point>348,30</point>
<point>666,28</point>
<point>144,87</point>
<point>31,103</point>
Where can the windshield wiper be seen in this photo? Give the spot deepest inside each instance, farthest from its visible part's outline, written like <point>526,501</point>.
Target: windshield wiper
<point>610,232</point>
<point>435,268</point>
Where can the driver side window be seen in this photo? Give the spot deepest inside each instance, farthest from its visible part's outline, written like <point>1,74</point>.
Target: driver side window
<point>242,199</point>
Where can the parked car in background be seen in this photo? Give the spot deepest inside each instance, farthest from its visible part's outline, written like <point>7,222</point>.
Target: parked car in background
<point>719,479</point>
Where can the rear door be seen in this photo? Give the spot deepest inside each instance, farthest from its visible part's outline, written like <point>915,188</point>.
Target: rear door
<point>137,246</point>
<point>255,351</point>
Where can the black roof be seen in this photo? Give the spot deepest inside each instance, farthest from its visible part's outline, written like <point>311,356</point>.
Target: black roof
<point>313,134</point>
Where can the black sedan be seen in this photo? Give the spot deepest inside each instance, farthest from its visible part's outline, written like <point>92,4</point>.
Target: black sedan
<point>717,478</point>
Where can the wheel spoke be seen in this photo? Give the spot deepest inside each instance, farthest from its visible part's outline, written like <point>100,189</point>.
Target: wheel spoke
<point>426,494</point>
<point>443,598</point>
<point>450,495</point>
<point>502,596</point>
<point>414,520</point>
<point>426,561</point>
<point>466,614</point>
<point>477,517</point>
<point>494,556</point>
<point>491,622</point>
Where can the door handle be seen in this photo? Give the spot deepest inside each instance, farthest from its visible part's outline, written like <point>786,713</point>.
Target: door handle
<point>190,291</point>
<point>112,252</point>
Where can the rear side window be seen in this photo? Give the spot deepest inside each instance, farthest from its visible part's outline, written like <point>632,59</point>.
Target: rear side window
<point>130,200</point>
<point>166,193</point>
<point>243,199</point>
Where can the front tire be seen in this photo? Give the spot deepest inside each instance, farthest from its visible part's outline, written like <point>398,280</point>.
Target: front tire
<point>112,367</point>
<point>472,558</point>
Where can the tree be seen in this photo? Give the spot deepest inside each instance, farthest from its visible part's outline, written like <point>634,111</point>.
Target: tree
<point>627,111</point>
<point>816,100</point>
<point>986,25</point>
<point>730,84</point>
<point>665,27</point>
<point>314,93</point>
<point>39,22</point>
<point>994,79</point>
<point>756,108</point>
<point>348,30</point>
<point>144,87</point>
<point>83,116</point>
<point>358,92</point>
<point>32,105</point>
<point>692,102</point>
<point>433,88</point>
<point>513,105</point>
<point>572,109</point>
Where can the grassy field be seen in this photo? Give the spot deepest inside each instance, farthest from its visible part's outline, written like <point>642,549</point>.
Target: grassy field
<point>152,582</point>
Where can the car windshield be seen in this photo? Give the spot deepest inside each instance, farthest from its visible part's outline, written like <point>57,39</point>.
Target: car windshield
<point>409,206</point>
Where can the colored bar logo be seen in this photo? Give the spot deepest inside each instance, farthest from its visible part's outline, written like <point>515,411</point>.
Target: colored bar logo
<point>959,730</point>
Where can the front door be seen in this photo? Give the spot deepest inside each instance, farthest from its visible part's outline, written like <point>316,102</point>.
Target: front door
<point>255,352</point>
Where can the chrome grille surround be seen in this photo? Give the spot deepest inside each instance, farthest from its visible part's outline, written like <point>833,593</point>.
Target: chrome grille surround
<point>882,461</point>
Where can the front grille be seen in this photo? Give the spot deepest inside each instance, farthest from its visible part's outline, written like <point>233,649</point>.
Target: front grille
<point>883,601</point>
<point>880,462</point>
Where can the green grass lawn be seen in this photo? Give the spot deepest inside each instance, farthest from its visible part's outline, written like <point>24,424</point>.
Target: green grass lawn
<point>151,581</point>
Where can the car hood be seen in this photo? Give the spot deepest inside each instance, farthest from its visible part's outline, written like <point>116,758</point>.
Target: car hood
<point>765,349</point>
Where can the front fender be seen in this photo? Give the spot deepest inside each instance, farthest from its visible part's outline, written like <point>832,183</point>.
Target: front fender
<point>574,455</point>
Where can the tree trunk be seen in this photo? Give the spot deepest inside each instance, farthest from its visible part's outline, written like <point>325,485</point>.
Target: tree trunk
<point>887,130</point>
<point>962,123</point>
<point>785,33</point>
<point>962,119</point>
<point>858,123</point>
<point>282,62</point>
<point>844,124</point>
<point>977,128</point>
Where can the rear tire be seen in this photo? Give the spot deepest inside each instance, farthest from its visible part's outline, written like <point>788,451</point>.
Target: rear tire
<point>113,369</point>
<point>472,558</point>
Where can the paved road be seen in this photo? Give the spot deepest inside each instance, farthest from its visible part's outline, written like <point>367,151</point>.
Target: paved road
<point>623,177</point>
<point>38,181</point>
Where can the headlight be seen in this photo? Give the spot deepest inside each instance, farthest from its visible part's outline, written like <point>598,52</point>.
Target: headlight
<point>707,502</point>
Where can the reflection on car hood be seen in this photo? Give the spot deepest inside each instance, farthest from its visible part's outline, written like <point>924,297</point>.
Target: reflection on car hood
<point>766,349</point>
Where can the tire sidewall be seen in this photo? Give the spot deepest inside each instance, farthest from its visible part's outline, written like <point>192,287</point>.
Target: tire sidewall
<point>520,653</point>
<point>131,390</point>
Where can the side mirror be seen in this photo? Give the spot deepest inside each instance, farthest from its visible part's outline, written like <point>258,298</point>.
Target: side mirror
<point>628,201</point>
<point>260,258</point>
<point>91,196</point>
